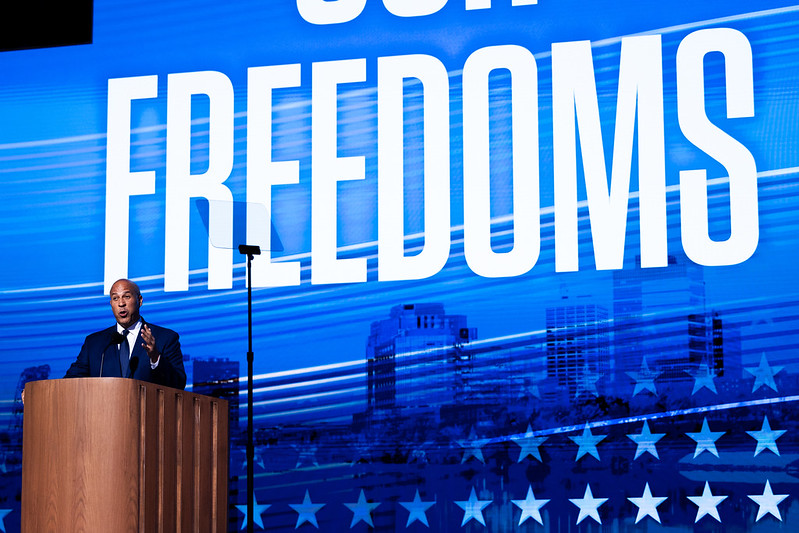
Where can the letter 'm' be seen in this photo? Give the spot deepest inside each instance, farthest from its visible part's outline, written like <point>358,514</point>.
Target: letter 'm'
<point>574,95</point>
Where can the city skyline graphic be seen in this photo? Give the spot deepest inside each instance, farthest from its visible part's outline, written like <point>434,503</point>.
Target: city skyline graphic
<point>690,442</point>
<point>432,402</point>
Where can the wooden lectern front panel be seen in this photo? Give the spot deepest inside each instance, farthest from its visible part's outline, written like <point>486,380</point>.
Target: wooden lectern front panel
<point>111,454</point>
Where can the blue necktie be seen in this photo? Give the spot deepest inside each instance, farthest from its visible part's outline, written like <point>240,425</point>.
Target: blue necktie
<point>124,355</point>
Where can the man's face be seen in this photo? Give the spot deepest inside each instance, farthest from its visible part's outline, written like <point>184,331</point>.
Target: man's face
<point>125,303</point>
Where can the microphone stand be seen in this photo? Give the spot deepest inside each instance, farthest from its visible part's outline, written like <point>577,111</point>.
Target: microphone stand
<point>249,251</point>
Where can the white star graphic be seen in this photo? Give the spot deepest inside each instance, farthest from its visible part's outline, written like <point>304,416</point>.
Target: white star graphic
<point>473,508</point>
<point>3,514</point>
<point>529,445</point>
<point>767,503</point>
<point>706,439</point>
<point>306,511</point>
<point>472,447</point>
<point>767,437</point>
<point>361,510</point>
<point>764,374</point>
<point>588,505</point>
<point>361,451</point>
<point>587,443</point>
<point>647,505</point>
<point>530,392</point>
<point>307,455</point>
<point>419,454</point>
<point>256,515</point>
<point>646,441</point>
<point>707,504</point>
<point>417,509</point>
<point>530,507</point>
<point>704,378</point>
<point>586,382</point>
<point>644,379</point>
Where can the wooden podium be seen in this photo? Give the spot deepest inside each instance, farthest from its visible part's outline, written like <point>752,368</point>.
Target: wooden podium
<point>118,455</point>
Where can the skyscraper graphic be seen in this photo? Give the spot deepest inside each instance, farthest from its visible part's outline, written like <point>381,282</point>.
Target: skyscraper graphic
<point>414,359</point>
<point>660,314</point>
<point>577,349</point>
<point>219,377</point>
<point>11,450</point>
<point>726,348</point>
<point>32,373</point>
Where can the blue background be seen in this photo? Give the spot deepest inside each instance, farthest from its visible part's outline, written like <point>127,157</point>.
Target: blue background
<point>317,434</point>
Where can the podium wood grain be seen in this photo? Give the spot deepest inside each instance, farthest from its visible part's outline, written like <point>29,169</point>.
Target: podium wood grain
<point>118,455</point>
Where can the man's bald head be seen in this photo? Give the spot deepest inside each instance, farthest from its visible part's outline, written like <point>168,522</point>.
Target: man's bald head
<point>125,302</point>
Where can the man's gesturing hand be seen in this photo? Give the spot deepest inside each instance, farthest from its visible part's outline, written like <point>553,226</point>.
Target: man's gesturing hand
<point>148,343</point>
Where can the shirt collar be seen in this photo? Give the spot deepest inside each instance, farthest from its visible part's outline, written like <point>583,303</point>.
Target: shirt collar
<point>132,329</point>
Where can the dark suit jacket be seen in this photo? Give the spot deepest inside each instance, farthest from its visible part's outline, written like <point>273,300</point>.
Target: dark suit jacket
<point>98,352</point>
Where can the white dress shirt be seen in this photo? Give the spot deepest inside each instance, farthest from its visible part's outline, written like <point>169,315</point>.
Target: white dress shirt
<point>133,334</point>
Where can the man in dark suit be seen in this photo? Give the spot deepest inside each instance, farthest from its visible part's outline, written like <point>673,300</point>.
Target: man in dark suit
<point>131,348</point>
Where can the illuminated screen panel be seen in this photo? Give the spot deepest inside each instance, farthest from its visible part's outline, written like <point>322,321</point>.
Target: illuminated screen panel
<point>526,264</point>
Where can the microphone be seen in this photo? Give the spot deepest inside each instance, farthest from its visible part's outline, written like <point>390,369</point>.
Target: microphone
<point>116,338</point>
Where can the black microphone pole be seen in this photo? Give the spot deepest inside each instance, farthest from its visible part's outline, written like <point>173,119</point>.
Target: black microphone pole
<point>249,251</point>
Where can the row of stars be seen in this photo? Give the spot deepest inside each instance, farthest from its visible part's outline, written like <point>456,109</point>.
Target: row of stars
<point>646,442</point>
<point>764,375</point>
<point>703,377</point>
<point>707,505</point>
<point>587,442</point>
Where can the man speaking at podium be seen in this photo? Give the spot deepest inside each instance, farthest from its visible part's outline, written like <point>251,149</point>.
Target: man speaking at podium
<point>131,348</point>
